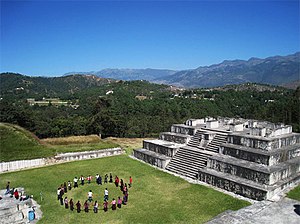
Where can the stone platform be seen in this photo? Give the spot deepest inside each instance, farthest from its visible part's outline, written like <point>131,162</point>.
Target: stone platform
<point>263,212</point>
<point>152,158</point>
<point>13,211</point>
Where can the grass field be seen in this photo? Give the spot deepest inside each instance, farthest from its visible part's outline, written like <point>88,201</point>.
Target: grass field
<point>295,193</point>
<point>17,143</point>
<point>156,196</point>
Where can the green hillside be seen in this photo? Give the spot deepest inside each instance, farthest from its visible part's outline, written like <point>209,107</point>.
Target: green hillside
<point>17,143</point>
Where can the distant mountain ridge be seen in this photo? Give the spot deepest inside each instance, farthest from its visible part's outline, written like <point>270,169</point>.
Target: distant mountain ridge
<point>276,70</point>
<point>129,74</point>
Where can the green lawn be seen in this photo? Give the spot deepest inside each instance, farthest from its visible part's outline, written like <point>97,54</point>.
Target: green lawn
<point>295,193</point>
<point>156,196</point>
<point>16,144</point>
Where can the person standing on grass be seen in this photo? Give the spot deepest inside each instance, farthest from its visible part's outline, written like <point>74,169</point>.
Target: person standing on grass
<point>106,194</point>
<point>58,193</point>
<point>117,181</point>
<point>66,203</point>
<point>61,193</point>
<point>89,179</point>
<point>78,206</point>
<point>121,185</point>
<point>71,205</point>
<point>105,178</point>
<point>124,200</point>
<point>75,182</point>
<point>69,185</point>
<point>86,206</point>
<point>105,205</point>
<point>7,188</point>
<point>82,180</point>
<point>97,178</point>
<point>96,207</point>
<point>126,194</point>
<point>119,202</point>
<point>113,204</point>
<point>100,180</point>
<point>110,178</point>
<point>125,189</point>
<point>90,195</point>
<point>130,181</point>
<point>65,187</point>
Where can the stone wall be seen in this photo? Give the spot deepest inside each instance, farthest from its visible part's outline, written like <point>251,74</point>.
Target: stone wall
<point>285,141</point>
<point>254,172</point>
<point>89,154</point>
<point>183,129</point>
<point>267,144</point>
<point>237,170</point>
<point>173,137</point>
<point>243,153</point>
<point>249,141</point>
<point>285,154</point>
<point>161,149</point>
<point>236,187</point>
<point>151,158</point>
<point>21,164</point>
<point>260,156</point>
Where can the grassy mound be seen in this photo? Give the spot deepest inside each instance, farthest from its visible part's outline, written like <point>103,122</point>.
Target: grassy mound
<point>156,196</point>
<point>17,143</point>
<point>72,140</point>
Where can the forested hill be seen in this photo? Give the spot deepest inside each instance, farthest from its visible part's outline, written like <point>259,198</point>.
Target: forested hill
<point>26,86</point>
<point>91,105</point>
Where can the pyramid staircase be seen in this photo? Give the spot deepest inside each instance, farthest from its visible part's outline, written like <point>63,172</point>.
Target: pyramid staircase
<point>195,140</point>
<point>188,160</point>
<point>214,145</point>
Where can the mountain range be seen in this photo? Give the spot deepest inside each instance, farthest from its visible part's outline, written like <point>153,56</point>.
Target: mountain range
<point>276,70</point>
<point>130,74</point>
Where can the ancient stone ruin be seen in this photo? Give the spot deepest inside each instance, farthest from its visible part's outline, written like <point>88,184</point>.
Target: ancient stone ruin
<point>17,211</point>
<point>255,159</point>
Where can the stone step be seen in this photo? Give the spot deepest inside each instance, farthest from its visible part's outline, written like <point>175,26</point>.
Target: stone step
<point>212,150</point>
<point>190,153</point>
<point>193,144</point>
<point>194,167</point>
<point>185,171</point>
<point>185,158</point>
<point>186,163</point>
<point>11,218</point>
<point>188,168</point>
<point>8,210</point>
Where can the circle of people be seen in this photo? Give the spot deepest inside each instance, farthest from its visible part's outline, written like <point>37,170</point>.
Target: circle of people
<point>64,188</point>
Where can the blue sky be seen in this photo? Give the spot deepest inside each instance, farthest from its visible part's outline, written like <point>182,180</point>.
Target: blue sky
<point>54,37</point>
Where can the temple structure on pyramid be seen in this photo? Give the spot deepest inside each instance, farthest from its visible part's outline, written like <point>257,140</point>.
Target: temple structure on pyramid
<point>255,159</point>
